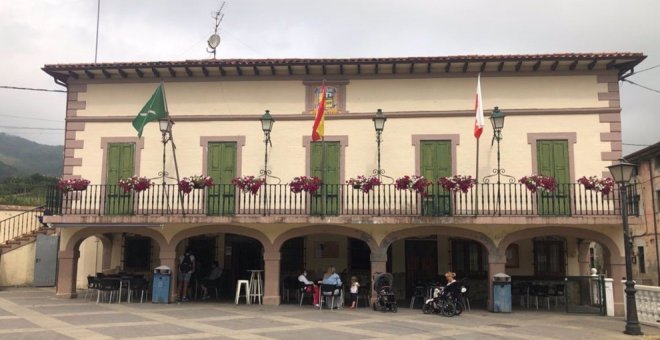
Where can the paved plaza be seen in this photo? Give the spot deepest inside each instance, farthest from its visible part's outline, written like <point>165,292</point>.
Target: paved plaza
<point>35,313</point>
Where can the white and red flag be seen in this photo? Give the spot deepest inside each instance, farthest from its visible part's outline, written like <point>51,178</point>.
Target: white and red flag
<point>479,111</point>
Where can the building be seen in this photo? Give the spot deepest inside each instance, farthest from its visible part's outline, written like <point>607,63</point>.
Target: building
<point>646,259</point>
<point>563,119</point>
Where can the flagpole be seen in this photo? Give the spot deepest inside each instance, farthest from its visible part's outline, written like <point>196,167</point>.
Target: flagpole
<point>476,191</point>
<point>323,184</point>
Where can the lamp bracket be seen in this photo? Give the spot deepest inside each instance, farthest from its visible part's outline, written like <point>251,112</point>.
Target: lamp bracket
<point>381,173</point>
<point>501,173</point>
<point>268,174</point>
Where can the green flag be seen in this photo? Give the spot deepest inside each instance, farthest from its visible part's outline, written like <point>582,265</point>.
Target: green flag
<point>154,109</point>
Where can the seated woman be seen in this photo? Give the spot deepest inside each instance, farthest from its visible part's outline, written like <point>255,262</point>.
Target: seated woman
<point>331,277</point>
<point>452,289</point>
<point>210,280</point>
<point>310,287</point>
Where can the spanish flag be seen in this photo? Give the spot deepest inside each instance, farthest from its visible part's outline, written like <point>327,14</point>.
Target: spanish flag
<point>317,130</point>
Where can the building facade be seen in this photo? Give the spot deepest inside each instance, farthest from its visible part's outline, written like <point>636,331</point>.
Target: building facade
<point>646,257</point>
<point>563,119</point>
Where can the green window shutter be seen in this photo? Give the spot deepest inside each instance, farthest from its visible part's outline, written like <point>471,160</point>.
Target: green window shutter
<point>435,159</point>
<point>221,166</point>
<point>221,162</point>
<point>120,162</point>
<point>325,201</point>
<point>435,162</point>
<point>552,160</point>
<point>331,161</point>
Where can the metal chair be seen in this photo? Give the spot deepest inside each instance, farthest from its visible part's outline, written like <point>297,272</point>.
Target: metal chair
<point>92,285</point>
<point>418,292</point>
<point>303,290</point>
<point>329,291</point>
<point>139,284</point>
<point>540,292</point>
<point>108,285</point>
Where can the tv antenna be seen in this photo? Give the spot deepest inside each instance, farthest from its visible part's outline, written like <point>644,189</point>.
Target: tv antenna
<point>214,39</point>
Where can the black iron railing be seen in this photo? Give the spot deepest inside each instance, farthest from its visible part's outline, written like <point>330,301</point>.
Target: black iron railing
<point>21,225</point>
<point>487,199</point>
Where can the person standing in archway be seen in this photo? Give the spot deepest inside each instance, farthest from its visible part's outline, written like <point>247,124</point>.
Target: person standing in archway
<point>186,269</point>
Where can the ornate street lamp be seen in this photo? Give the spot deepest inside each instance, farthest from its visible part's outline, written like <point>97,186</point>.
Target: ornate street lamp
<point>165,126</point>
<point>267,122</point>
<point>497,120</point>
<point>379,125</point>
<point>623,174</point>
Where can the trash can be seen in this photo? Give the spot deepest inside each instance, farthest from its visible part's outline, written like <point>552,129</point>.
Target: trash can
<point>501,293</point>
<point>160,292</point>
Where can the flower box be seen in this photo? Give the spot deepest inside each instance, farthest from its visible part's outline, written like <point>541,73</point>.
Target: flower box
<point>304,183</point>
<point>602,185</point>
<point>187,184</point>
<point>364,183</point>
<point>72,184</point>
<point>416,183</point>
<point>457,183</point>
<point>249,184</point>
<point>538,182</point>
<point>135,183</point>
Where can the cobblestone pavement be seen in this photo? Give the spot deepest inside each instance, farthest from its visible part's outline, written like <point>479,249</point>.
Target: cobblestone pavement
<point>35,313</point>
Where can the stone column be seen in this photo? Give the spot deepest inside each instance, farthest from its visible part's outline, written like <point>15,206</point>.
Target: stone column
<point>378,265</point>
<point>496,264</point>
<point>168,258</point>
<point>583,258</point>
<point>67,271</point>
<point>618,274</point>
<point>272,278</point>
<point>107,252</point>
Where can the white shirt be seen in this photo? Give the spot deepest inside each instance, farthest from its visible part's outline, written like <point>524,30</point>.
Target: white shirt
<point>354,288</point>
<point>302,278</point>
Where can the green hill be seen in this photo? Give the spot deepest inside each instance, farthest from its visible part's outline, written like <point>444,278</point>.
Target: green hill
<point>21,157</point>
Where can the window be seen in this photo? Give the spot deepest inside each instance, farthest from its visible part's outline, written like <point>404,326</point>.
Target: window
<point>657,199</point>
<point>137,253</point>
<point>549,258</point>
<point>657,161</point>
<point>641,260</point>
<point>468,259</point>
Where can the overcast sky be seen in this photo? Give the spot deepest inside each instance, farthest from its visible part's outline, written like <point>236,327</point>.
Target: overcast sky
<point>38,32</point>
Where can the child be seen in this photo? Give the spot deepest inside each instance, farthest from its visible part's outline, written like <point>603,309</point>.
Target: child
<point>354,291</point>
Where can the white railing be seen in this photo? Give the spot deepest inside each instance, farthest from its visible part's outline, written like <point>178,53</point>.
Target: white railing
<point>648,304</point>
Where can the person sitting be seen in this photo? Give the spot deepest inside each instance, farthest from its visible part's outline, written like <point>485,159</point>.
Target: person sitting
<point>310,287</point>
<point>331,278</point>
<point>210,280</point>
<point>452,289</point>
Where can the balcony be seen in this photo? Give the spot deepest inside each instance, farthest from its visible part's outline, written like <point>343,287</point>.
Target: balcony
<point>225,200</point>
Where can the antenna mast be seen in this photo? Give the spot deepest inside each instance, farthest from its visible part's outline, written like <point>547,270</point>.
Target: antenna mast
<point>214,39</point>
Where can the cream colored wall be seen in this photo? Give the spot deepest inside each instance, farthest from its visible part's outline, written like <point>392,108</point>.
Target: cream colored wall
<point>458,93</point>
<point>288,96</point>
<point>287,157</point>
<point>201,98</point>
<point>319,265</point>
<point>17,266</point>
<point>90,260</point>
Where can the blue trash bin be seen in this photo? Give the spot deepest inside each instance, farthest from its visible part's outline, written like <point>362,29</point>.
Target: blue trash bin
<point>501,293</point>
<point>160,292</point>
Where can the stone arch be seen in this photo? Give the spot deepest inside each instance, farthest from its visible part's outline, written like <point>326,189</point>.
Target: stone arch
<point>215,229</point>
<point>81,235</point>
<point>615,254</point>
<point>444,230</point>
<point>327,229</point>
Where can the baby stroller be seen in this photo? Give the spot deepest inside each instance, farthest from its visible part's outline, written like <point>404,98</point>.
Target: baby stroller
<point>385,298</point>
